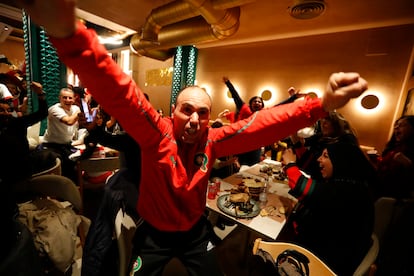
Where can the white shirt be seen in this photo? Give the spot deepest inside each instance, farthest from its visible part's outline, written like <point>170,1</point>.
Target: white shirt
<point>57,131</point>
<point>5,93</point>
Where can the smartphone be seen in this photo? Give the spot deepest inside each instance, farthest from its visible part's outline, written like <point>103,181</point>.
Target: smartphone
<point>92,116</point>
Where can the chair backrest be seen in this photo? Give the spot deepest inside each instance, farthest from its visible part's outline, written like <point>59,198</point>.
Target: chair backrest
<point>99,164</point>
<point>56,186</point>
<point>125,230</point>
<point>384,211</point>
<point>93,165</point>
<point>367,265</point>
<point>33,133</point>
<point>56,169</point>
<point>59,187</point>
<point>316,265</point>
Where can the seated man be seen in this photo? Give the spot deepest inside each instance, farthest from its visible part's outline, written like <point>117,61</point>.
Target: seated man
<point>62,125</point>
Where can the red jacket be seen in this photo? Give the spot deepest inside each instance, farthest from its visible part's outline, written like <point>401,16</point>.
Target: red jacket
<point>173,186</point>
<point>244,113</point>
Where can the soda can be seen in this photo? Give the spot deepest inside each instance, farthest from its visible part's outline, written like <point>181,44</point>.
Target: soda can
<point>211,190</point>
<point>218,184</point>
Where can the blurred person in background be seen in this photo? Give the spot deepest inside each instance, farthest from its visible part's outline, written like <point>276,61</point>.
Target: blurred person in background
<point>243,111</point>
<point>17,163</point>
<point>396,164</point>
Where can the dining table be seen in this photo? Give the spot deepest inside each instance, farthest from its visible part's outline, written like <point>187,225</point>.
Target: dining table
<point>267,217</point>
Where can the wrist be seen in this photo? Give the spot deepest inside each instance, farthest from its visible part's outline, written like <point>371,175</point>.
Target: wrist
<point>290,164</point>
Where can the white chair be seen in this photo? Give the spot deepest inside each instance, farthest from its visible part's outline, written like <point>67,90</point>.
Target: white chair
<point>61,188</point>
<point>367,265</point>
<point>124,229</point>
<point>56,186</point>
<point>94,165</point>
<point>33,137</point>
<point>316,265</point>
<point>384,212</point>
<point>55,169</point>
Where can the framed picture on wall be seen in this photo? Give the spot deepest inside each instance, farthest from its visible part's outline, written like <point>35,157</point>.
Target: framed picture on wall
<point>409,103</point>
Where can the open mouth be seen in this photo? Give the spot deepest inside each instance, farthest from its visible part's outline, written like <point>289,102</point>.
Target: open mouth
<point>191,131</point>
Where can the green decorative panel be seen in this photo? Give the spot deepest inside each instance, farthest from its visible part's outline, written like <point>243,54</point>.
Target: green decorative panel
<point>42,64</point>
<point>185,65</point>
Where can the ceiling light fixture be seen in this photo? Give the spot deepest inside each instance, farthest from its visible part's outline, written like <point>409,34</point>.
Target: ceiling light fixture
<point>110,40</point>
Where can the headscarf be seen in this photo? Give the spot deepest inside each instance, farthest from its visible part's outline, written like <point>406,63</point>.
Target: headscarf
<point>349,162</point>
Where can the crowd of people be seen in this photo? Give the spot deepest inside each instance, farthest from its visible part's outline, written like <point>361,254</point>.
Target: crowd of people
<point>170,159</point>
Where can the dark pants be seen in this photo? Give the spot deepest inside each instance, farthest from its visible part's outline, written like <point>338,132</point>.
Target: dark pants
<point>153,249</point>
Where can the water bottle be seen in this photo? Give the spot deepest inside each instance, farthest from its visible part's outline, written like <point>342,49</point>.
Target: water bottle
<point>263,196</point>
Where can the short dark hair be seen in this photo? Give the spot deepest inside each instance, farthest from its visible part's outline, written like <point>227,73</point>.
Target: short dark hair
<point>79,90</point>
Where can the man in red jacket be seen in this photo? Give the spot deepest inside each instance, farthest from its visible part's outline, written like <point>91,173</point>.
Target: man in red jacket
<point>178,153</point>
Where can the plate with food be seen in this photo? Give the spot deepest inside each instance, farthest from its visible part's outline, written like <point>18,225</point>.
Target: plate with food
<point>238,205</point>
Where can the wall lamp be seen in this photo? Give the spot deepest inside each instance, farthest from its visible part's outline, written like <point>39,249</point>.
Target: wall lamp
<point>370,101</point>
<point>266,95</point>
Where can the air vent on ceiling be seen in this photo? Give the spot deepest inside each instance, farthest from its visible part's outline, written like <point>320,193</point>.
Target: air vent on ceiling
<point>307,9</point>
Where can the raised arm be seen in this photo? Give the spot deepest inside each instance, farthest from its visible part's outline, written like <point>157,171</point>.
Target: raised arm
<point>236,97</point>
<point>59,20</point>
<point>58,17</point>
<point>341,88</point>
<point>301,185</point>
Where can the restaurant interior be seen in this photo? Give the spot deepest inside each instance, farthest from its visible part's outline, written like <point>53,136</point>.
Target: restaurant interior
<point>263,47</point>
<point>269,50</point>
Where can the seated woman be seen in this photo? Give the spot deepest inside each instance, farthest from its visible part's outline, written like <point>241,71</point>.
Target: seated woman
<point>334,217</point>
<point>396,165</point>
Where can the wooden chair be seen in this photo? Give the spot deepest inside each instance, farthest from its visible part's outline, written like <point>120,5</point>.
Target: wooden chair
<point>94,165</point>
<point>316,265</point>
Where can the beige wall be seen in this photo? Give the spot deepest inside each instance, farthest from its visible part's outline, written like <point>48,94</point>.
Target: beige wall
<point>159,95</point>
<point>382,57</point>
